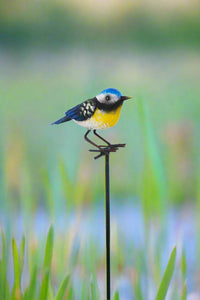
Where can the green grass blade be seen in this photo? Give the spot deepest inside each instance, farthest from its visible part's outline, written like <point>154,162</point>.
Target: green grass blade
<point>47,265</point>
<point>85,289</point>
<point>62,288</point>
<point>95,295</point>
<point>164,285</point>
<point>116,296</point>
<point>4,287</point>
<point>16,292</point>
<point>183,265</point>
<point>138,291</point>
<point>22,253</point>
<point>44,287</point>
<point>48,251</point>
<point>30,292</point>
<point>50,291</point>
<point>70,293</point>
<point>184,292</point>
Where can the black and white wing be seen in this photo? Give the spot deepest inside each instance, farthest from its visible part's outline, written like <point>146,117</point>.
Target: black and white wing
<point>83,111</point>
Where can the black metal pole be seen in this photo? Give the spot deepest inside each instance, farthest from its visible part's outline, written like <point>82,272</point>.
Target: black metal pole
<point>105,151</point>
<point>107,223</point>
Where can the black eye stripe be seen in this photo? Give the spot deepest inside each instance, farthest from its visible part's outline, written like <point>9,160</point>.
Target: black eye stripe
<point>107,97</point>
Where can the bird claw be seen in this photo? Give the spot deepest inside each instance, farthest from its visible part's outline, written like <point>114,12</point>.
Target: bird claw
<point>118,145</point>
<point>104,150</point>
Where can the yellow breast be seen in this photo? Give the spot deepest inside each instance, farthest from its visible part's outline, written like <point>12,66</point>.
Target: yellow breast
<point>106,119</point>
<point>101,119</point>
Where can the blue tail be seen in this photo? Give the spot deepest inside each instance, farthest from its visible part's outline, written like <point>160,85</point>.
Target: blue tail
<point>62,120</point>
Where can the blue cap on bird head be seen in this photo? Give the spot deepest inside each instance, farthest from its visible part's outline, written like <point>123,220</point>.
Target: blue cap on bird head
<point>112,91</point>
<point>109,96</point>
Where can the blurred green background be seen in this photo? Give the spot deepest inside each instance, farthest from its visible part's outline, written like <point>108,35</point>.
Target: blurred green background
<point>56,54</point>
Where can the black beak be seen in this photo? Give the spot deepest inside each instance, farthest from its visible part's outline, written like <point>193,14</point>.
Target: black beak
<point>123,98</point>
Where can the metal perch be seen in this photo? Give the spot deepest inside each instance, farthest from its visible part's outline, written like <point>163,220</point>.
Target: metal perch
<point>105,151</point>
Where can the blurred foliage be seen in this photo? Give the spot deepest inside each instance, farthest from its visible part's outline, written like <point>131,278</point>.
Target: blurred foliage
<point>56,23</point>
<point>41,282</point>
<point>47,163</point>
<point>146,50</point>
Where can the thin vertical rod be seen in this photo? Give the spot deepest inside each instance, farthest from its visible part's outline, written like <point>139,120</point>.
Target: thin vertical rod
<point>107,220</point>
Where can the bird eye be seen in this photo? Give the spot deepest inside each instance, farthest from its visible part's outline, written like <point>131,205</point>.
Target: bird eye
<point>107,98</point>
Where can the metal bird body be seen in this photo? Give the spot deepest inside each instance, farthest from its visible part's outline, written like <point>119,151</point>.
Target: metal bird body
<point>100,112</point>
<point>101,119</point>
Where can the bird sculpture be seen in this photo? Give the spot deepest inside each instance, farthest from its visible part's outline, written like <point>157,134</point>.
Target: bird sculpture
<point>101,112</point>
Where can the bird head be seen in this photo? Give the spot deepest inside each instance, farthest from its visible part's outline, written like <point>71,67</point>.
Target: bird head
<point>111,96</point>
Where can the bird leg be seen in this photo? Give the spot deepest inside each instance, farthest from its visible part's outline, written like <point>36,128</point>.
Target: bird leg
<point>100,148</point>
<point>109,144</point>
<point>89,141</point>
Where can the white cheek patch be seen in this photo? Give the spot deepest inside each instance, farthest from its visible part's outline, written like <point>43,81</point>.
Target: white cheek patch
<point>102,98</point>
